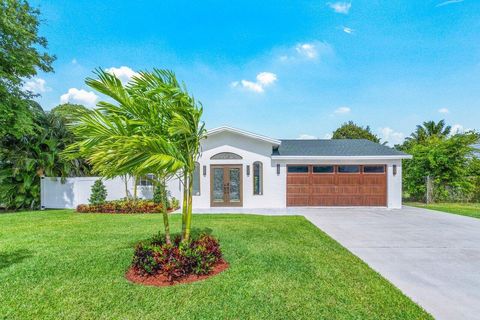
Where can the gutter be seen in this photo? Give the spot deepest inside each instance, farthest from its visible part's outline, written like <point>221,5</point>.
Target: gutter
<point>397,157</point>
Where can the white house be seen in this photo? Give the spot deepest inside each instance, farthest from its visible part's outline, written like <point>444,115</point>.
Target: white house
<point>237,168</point>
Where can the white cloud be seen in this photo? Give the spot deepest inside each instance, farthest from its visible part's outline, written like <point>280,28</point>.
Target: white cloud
<point>448,2</point>
<point>264,79</point>
<point>342,110</point>
<point>328,136</point>
<point>391,136</point>
<point>457,128</point>
<point>341,7</point>
<point>123,73</point>
<point>443,110</point>
<point>80,96</point>
<point>307,50</point>
<point>348,30</point>
<point>305,136</point>
<point>36,85</point>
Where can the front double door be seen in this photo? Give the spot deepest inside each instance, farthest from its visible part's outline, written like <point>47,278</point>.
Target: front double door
<point>226,185</point>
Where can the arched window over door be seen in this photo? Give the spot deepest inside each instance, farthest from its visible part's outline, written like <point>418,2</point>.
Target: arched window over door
<point>257,178</point>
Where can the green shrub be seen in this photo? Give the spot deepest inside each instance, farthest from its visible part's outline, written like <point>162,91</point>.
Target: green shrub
<point>99,193</point>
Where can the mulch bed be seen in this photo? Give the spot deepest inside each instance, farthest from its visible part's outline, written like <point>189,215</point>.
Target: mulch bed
<point>162,281</point>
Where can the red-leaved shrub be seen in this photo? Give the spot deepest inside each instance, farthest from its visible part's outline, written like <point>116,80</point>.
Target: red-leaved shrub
<point>123,206</point>
<point>179,259</point>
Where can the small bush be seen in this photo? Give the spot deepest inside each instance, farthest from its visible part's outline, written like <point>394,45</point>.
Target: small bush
<point>123,206</point>
<point>99,193</point>
<point>197,256</point>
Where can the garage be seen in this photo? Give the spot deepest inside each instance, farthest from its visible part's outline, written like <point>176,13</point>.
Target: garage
<point>336,185</point>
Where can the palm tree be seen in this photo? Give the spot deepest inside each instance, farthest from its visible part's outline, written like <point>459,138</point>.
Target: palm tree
<point>185,129</point>
<point>154,128</point>
<point>430,129</point>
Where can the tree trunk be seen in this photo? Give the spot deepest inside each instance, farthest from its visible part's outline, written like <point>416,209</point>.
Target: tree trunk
<point>164,203</point>
<point>135,179</point>
<point>188,217</point>
<point>184,202</point>
<point>125,179</point>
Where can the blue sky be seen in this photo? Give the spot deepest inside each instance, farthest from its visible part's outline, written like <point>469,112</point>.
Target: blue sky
<point>286,69</point>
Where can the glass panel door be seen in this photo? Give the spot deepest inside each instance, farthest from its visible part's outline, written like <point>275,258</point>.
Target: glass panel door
<point>234,185</point>
<point>218,186</point>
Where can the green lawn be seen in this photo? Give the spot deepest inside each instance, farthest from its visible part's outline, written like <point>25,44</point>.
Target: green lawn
<point>60,264</point>
<point>464,209</point>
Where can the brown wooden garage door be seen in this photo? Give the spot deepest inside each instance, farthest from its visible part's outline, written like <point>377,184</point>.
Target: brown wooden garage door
<point>336,185</point>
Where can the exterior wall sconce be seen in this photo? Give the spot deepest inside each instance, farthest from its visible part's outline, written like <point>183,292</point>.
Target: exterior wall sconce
<point>278,169</point>
<point>204,171</point>
<point>248,170</point>
<point>394,169</point>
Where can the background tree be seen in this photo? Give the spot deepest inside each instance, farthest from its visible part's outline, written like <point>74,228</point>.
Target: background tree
<point>25,159</point>
<point>427,130</point>
<point>21,57</point>
<point>447,159</point>
<point>351,130</point>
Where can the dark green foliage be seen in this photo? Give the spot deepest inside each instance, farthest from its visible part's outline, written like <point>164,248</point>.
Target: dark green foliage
<point>448,160</point>
<point>24,160</point>
<point>21,57</point>
<point>160,194</point>
<point>351,130</point>
<point>196,256</point>
<point>99,193</point>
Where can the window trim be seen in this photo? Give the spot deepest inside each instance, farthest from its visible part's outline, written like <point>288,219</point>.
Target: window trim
<point>374,165</point>
<point>298,165</point>
<point>324,165</point>
<point>349,165</point>
<point>260,175</point>
<point>199,193</point>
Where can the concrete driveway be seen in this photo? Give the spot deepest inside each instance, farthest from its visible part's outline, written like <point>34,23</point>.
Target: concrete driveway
<point>433,257</point>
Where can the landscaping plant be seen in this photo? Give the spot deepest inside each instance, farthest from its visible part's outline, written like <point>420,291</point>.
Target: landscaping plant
<point>179,259</point>
<point>154,127</point>
<point>99,193</point>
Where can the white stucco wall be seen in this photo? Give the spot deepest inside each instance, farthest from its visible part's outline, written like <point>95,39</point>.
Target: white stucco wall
<point>251,150</point>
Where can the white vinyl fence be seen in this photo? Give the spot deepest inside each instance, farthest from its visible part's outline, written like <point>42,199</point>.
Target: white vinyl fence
<point>56,194</point>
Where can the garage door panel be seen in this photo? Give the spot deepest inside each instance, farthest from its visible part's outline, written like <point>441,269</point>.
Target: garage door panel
<point>318,179</point>
<point>347,179</point>
<point>323,201</point>
<point>323,189</point>
<point>298,200</point>
<point>349,200</point>
<point>302,179</point>
<point>336,189</point>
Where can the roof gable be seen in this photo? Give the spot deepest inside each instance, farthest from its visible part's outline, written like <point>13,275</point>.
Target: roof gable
<point>244,133</point>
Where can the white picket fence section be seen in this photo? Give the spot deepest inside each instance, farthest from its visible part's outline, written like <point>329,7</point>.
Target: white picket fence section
<point>56,194</point>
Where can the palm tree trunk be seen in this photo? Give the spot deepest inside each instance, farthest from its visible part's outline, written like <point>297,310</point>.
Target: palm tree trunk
<point>184,202</point>
<point>188,217</point>
<point>125,179</point>
<point>135,179</point>
<point>166,222</point>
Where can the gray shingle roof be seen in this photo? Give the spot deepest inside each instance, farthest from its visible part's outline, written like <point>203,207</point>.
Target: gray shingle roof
<point>334,147</point>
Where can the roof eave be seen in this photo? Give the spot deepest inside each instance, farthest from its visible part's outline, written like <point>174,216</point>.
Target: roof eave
<point>244,133</point>
<point>385,157</point>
